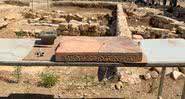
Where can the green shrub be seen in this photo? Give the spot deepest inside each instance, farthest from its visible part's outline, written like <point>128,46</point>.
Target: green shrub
<point>20,33</point>
<point>48,79</point>
<point>17,73</point>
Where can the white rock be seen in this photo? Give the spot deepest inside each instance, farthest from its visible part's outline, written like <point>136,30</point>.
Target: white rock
<point>119,85</point>
<point>154,74</point>
<point>177,75</point>
<point>168,70</point>
<point>129,78</point>
<point>147,76</point>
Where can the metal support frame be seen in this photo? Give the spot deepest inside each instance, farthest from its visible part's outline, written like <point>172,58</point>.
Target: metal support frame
<point>183,91</point>
<point>161,83</point>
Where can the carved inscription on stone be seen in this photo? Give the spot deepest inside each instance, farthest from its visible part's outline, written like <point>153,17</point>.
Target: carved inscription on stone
<point>101,58</point>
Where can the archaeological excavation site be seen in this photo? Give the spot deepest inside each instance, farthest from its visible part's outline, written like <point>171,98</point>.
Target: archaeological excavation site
<point>129,49</point>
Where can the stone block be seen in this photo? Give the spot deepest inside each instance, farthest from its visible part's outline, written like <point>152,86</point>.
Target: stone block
<point>158,31</point>
<point>138,37</point>
<point>58,20</point>
<point>164,22</point>
<point>98,49</point>
<point>63,26</point>
<point>163,19</point>
<point>181,30</point>
<point>74,29</point>
<point>84,27</point>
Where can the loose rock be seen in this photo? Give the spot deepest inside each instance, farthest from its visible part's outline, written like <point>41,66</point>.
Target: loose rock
<point>63,26</point>
<point>129,78</point>
<point>177,75</point>
<point>138,37</point>
<point>58,20</point>
<point>119,85</point>
<point>147,76</point>
<point>154,74</point>
<point>181,30</point>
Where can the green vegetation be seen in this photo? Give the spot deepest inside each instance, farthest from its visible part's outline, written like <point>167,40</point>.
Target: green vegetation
<point>17,73</point>
<point>20,33</point>
<point>48,79</point>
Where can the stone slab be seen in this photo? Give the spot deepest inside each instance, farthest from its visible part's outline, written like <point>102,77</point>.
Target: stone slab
<point>97,49</point>
<point>164,50</point>
<point>15,49</point>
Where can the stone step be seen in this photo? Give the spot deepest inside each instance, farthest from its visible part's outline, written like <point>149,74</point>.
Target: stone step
<point>97,49</point>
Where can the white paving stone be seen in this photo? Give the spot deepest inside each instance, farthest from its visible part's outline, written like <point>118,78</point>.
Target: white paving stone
<point>15,49</point>
<point>164,50</point>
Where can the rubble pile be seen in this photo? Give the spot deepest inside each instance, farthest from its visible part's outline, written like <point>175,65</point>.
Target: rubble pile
<point>160,27</point>
<point>71,24</point>
<point>152,33</point>
<point>152,24</point>
<point>27,33</point>
<point>134,75</point>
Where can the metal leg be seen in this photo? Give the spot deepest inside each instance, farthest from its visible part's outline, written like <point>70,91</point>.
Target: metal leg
<point>161,83</point>
<point>102,71</point>
<point>183,91</point>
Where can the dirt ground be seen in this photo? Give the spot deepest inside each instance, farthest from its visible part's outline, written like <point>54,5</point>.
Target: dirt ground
<point>76,82</point>
<point>79,82</point>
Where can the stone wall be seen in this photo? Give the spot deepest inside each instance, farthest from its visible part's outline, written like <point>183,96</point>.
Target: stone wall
<point>86,4</point>
<point>71,24</point>
<point>122,25</point>
<point>16,2</point>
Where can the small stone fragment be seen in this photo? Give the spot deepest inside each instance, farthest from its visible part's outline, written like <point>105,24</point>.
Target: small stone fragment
<point>78,17</point>
<point>119,85</point>
<point>138,37</point>
<point>154,74</point>
<point>147,76</point>
<point>129,78</point>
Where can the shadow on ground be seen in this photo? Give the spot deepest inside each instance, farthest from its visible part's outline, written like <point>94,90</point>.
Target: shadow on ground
<point>29,96</point>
